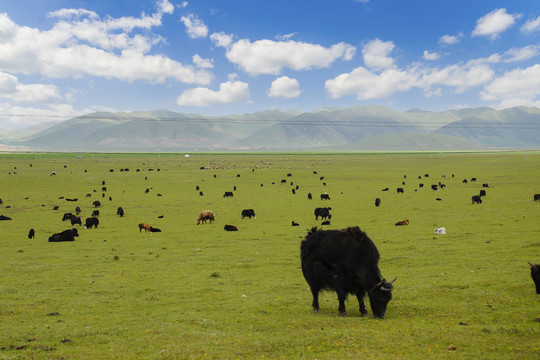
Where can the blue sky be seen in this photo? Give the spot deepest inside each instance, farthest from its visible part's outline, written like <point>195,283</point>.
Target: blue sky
<point>63,58</point>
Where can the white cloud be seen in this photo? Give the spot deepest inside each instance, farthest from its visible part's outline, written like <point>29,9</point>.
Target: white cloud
<point>515,87</point>
<point>221,39</point>
<point>229,92</point>
<point>270,57</point>
<point>202,62</point>
<point>430,56</point>
<point>194,26</point>
<point>10,88</point>
<point>494,23</point>
<point>376,54</point>
<point>521,54</point>
<point>531,25</point>
<point>89,46</point>
<point>285,87</point>
<point>450,39</point>
<point>461,77</point>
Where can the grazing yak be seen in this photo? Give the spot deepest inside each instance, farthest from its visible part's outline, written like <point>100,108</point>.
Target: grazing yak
<point>144,226</point>
<point>536,197</point>
<point>67,216</point>
<point>440,231</point>
<point>476,199</point>
<point>402,222</point>
<point>345,261</point>
<point>248,213</point>
<point>400,190</point>
<point>325,196</point>
<point>91,221</point>
<point>327,222</point>
<point>95,213</point>
<point>324,213</point>
<point>77,210</point>
<point>205,215</point>
<point>535,274</point>
<point>120,211</point>
<point>228,194</point>
<point>31,234</point>
<point>309,196</point>
<point>66,235</point>
<point>377,202</point>
<point>295,223</point>
<point>75,220</point>
<point>96,203</point>
<point>230,228</point>
<point>482,193</point>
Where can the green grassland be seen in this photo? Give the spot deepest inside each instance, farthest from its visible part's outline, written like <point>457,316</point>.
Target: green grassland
<point>197,291</point>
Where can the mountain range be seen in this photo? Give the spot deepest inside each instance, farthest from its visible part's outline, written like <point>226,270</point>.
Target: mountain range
<point>357,128</point>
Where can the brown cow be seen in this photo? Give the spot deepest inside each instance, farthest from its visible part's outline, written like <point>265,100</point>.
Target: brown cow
<point>205,215</point>
<point>144,226</point>
<point>403,222</point>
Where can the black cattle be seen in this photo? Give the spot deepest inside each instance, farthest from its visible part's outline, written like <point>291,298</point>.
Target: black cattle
<point>66,235</point>
<point>201,193</point>
<point>230,228</point>
<point>473,179</point>
<point>2,217</point>
<point>426,175</point>
<point>104,188</point>
<point>421,185</point>
<point>434,187</point>
<point>295,223</point>
<point>485,185</point>
<point>31,234</point>
<point>102,182</point>
<point>476,199</point>
<point>400,190</point>
<point>345,261</point>
<point>228,194</point>
<point>283,181</point>
<point>536,197</point>
<point>154,229</point>
<point>96,203</point>
<point>77,210</point>
<point>465,181</point>
<point>95,213</point>
<point>147,190</point>
<point>324,213</point>
<point>377,202</point>
<point>327,222</point>
<point>325,196</point>
<point>91,221</point>
<point>197,187</point>
<point>56,207</point>
<point>482,192</point>
<point>67,216</point>
<point>385,189</point>
<point>293,191</point>
<point>120,211</point>
<point>289,175</point>
<point>234,188</point>
<point>535,274</point>
<point>75,220</point>
<point>74,199</point>
<point>309,196</point>
<point>248,213</point>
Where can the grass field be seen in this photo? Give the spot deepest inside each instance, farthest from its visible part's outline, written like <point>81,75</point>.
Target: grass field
<point>197,291</point>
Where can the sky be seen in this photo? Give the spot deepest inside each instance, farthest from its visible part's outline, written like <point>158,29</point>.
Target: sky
<point>64,58</point>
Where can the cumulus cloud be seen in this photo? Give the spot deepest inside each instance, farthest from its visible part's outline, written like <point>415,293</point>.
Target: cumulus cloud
<point>531,25</point>
<point>285,87</point>
<point>11,88</point>
<point>494,23</point>
<point>376,54</point>
<point>450,39</point>
<point>270,57</point>
<point>202,62</point>
<point>430,56</point>
<point>229,92</point>
<point>221,39</point>
<point>367,83</point>
<point>194,26</point>
<point>83,44</point>
<point>515,87</point>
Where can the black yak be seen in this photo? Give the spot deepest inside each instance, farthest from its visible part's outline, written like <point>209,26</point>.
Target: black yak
<point>345,261</point>
<point>535,274</point>
<point>91,221</point>
<point>248,213</point>
<point>66,235</point>
<point>324,213</point>
<point>230,228</point>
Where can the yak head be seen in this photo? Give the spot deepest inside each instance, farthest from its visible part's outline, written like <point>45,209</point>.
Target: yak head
<point>379,297</point>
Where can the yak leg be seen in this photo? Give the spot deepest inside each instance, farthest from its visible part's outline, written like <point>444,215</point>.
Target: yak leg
<point>363,308</point>
<point>315,304</point>
<point>342,296</point>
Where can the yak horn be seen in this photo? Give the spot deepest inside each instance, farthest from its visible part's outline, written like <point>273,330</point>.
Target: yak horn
<point>532,266</point>
<point>391,282</point>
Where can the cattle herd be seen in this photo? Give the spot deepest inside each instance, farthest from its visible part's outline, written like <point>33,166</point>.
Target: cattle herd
<point>343,260</point>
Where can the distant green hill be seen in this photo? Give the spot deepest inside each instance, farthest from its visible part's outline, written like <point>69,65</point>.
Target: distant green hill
<point>370,127</point>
